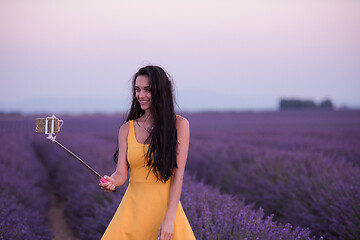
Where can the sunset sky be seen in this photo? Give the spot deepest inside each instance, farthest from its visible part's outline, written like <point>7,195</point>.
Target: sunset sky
<point>79,55</point>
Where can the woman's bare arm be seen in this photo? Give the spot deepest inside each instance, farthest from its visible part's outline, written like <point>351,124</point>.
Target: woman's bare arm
<point>183,133</point>
<point>119,177</point>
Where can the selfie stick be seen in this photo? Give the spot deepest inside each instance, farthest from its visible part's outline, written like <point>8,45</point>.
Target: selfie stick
<point>52,138</point>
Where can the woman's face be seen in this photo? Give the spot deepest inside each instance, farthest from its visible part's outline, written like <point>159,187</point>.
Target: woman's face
<point>143,91</point>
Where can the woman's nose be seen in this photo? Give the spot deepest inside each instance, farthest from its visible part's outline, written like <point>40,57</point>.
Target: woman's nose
<point>141,94</point>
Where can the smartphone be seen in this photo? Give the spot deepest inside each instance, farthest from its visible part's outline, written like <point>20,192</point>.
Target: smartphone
<point>52,123</point>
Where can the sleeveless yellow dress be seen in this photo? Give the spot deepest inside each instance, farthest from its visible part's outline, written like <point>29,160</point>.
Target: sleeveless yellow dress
<point>144,204</point>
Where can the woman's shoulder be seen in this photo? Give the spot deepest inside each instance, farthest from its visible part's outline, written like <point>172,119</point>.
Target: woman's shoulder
<point>124,128</point>
<point>126,125</point>
<point>181,122</point>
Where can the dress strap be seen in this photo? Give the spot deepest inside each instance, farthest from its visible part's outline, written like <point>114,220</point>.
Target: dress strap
<point>131,130</point>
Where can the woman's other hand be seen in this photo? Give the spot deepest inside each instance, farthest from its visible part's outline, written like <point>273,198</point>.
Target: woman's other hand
<point>166,230</point>
<point>109,186</point>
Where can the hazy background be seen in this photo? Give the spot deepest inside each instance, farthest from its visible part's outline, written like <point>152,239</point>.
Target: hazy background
<point>77,56</point>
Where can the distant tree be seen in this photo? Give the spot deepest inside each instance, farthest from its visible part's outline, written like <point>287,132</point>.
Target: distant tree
<point>296,104</point>
<point>326,104</point>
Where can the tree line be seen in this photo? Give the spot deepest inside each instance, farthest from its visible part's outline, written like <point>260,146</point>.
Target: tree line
<point>285,104</point>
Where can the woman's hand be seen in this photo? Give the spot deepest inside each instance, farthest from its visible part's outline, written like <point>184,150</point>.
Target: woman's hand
<point>109,186</point>
<point>166,230</point>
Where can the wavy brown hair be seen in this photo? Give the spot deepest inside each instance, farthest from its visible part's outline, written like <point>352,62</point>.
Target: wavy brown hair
<point>161,154</point>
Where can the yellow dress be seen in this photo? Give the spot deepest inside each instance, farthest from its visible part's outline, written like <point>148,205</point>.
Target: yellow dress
<point>144,204</point>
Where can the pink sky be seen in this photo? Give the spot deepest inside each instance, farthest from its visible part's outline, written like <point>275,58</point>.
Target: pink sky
<point>231,54</point>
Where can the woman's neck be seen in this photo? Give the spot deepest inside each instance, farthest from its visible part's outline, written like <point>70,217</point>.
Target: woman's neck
<point>147,116</point>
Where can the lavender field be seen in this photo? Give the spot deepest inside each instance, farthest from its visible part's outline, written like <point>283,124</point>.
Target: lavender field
<point>268,175</point>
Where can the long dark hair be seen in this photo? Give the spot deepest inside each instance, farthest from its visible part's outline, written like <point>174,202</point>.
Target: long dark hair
<point>161,154</point>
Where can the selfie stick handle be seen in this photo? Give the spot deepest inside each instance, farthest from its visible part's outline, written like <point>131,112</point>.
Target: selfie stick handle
<point>81,161</point>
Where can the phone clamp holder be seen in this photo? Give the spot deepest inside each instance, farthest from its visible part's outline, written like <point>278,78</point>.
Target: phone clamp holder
<point>50,121</point>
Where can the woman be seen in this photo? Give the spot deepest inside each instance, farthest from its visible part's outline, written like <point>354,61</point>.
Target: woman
<point>153,144</point>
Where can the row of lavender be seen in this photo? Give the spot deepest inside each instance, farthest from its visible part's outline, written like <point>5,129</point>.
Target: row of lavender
<point>303,166</point>
<point>32,168</point>
<point>24,198</point>
<point>89,210</point>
